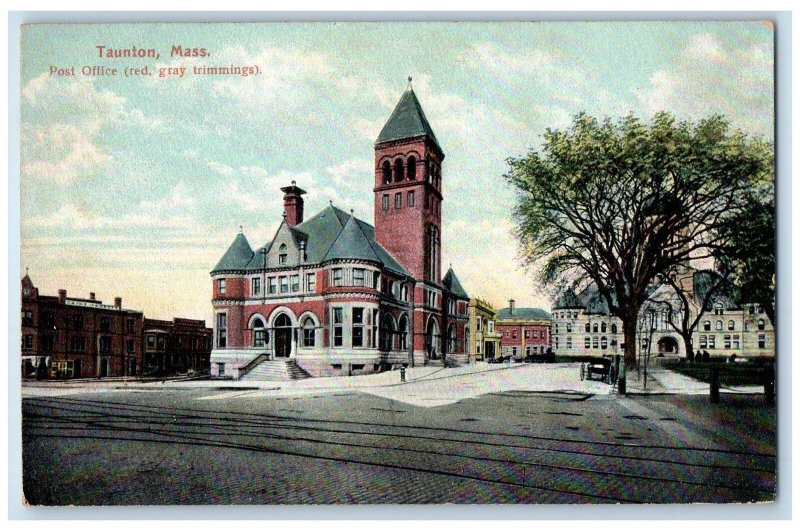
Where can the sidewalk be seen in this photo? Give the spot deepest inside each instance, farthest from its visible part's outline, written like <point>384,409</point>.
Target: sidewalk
<point>664,381</point>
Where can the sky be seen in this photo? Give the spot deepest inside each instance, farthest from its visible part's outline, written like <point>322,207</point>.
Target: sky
<point>135,186</point>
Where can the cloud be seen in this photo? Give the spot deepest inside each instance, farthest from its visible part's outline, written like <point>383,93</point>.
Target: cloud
<point>64,127</point>
<point>75,218</point>
<point>712,78</point>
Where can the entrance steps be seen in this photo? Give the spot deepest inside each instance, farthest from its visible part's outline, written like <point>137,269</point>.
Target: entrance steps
<point>275,371</point>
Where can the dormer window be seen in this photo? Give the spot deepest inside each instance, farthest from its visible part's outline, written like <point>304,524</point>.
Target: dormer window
<point>283,257</point>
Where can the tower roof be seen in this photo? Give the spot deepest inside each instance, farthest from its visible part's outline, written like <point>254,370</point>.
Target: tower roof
<point>407,121</point>
<point>451,282</point>
<point>237,256</point>
<point>352,243</point>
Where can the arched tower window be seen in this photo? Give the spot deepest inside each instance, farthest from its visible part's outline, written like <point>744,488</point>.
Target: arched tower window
<point>386,168</point>
<point>398,170</point>
<point>411,168</point>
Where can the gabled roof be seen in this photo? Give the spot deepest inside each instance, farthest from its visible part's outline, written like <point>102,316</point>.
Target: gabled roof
<point>351,243</point>
<point>451,282</point>
<point>331,234</point>
<point>523,313</point>
<point>407,121</point>
<point>237,256</point>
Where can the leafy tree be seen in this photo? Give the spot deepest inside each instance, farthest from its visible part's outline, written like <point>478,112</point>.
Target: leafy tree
<point>616,203</point>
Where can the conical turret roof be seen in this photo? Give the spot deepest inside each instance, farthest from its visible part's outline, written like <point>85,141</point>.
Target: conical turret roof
<point>237,256</point>
<point>352,243</point>
<point>452,283</point>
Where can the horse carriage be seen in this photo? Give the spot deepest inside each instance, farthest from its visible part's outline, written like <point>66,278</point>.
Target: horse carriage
<point>601,369</point>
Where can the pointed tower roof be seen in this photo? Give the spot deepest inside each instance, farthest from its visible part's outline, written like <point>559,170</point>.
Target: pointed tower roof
<point>237,256</point>
<point>451,282</point>
<point>352,243</point>
<point>407,121</point>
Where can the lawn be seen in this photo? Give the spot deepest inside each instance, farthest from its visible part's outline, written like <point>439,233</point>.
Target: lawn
<point>748,373</point>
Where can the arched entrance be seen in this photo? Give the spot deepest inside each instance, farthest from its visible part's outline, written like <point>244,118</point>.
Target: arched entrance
<point>283,336</point>
<point>432,349</point>
<point>667,345</point>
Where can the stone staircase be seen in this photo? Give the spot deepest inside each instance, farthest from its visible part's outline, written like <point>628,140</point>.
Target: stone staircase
<point>274,371</point>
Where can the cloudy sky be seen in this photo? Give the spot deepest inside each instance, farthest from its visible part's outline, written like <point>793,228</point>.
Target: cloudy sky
<point>134,187</point>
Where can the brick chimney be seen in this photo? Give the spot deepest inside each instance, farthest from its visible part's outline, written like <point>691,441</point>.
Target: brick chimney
<point>118,302</point>
<point>293,204</point>
<point>511,306</point>
<point>62,296</point>
<point>91,296</point>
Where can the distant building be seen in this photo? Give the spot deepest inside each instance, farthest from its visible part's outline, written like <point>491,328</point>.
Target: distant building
<point>583,325</point>
<point>69,337</point>
<point>484,340</point>
<point>523,331</point>
<point>174,347</point>
<point>334,295</point>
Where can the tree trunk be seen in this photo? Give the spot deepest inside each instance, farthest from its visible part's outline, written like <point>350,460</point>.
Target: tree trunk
<point>687,342</point>
<point>629,334</point>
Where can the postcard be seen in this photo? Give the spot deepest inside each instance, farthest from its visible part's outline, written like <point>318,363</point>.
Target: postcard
<point>398,263</point>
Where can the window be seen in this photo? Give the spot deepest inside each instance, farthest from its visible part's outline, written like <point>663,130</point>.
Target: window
<point>603,328</point>
<point>284,284</point>
<point>555,328</point>
<point>588,327</point>
<point>719,325</point>
<point>411,168</point>
<point>613,329</point>
<point>131,344</point>
<point>761,324</point>
<point>222,330</point>
<point>131,326</point>
<point>594,328</point>
<point>255,287</point>
<point>27,342</point>
<point>27,318</point>
<point>376,281</point>
<point>404,293</point>
<point>151,341</point>
<point>594,342</point>
<point>273,285</point>
<point>718,309</point>
<point>569,327</point>
<point>358,277</point>
<point>398,200</point>
<point>386,169</point>
<point>311,282</point>
<point>46,343</point>
<point>338,328</point>
<point>703,341</point>
<point>727,341</point>
<point>161,343</point>
<point>587,342</point>
<point>527,334</point>
<point>569,342</point>
<point>398,170</point>
<point>78,344</point>
<point>385,202</point>
<point>337,277</point>
<point>490,324</point>
<point>735,341</point>
<point>402,332</point>
<point>221,369</point>
<point>410,198</point>
<point>221,286</point>
<point>707,326</point>
<point>513,334</point>
<point>259,334</point>
<point>309,338</point>
<point>283,257</point>
<point>358,327</point>
<point>105,324</point>
<point>604,342</point>
<point>295,283</point>
<point>762,341</point>
<point>105,344</point>
<point>712,341</point>
<point>731,325</point>
<point>374,337</point>
<point>47,320</point>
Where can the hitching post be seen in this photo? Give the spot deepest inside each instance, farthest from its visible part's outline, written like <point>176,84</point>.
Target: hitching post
<point>622,378</point>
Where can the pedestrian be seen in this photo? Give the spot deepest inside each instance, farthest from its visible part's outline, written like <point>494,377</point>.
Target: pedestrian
<point>706,356</point>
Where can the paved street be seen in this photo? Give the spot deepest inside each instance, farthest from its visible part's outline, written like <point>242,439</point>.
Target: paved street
<point>506,440</point>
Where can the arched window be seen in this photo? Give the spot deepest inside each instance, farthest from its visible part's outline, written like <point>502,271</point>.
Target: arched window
<point>283,257</point>
<point>411,168</point>
<point>309,332</point>
<point>386,168</point>
<point>719,325</point>
<point>259,333</point>
<point>603,328</point>
<point>594,328</point>
<point>761,324</point>
<point>731,325</point>
<point>588,327</point>
<point>613,328</point>
<point>398,170</point>
<point>707,325</point>
<point>402,332</point>
<point>451,339</point>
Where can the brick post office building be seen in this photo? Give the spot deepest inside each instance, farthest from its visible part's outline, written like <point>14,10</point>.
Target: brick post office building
<point>334,295</point>
<point>70,337</point>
